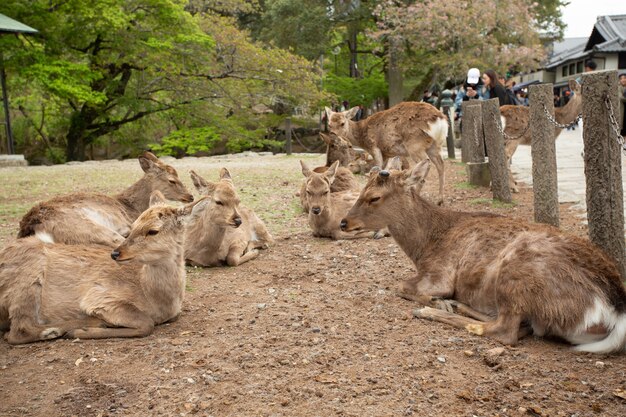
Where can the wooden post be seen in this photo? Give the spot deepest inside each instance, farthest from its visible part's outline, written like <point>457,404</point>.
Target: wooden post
<point>603,165</point>
<point>472,132</point>
<point>288,135</point>
<point>545,186</point>
<point>495,150</point>
<point>478,172</point>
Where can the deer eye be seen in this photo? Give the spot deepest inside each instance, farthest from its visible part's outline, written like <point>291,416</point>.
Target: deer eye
<point>373,200</point>
<point>172,182</point>
<point>219,203</point>
<point>152,232</point>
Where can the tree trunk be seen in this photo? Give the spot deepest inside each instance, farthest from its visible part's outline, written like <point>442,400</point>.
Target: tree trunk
<point>394,73</point>
<point>77,134</point>
<point>352,45</point>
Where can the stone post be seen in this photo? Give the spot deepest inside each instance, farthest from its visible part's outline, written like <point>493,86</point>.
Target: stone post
<point>446,107</point>
<point>603,165</point>
<point>288,135</point>
<point>545,187</point>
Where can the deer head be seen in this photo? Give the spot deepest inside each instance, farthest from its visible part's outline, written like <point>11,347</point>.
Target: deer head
<point>339,149</point>
<point>338,122</point>
<point>157,232</point>
<point>164,178</point>
<point>318,187</point>
<point>224,203</point>
<point>375,206</point>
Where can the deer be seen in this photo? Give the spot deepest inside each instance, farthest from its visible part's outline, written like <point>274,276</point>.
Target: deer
<point>340,149</point>
<point>92,218</point>
<point>516,119</point>
<point>507,278</point>
<point>53,290</point>
<point>226,233</point>
<point>414,131</point>
<point>326,208</point>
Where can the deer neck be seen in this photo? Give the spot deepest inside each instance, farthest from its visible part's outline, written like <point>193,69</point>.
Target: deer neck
<point>415,223</point>
<point>567,114</point>
<point>136,198</point>
<point>163,283</point>
<point>357,133</point>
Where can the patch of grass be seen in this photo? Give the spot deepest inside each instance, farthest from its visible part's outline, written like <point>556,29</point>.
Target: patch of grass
<point>464,186</point>
<point>492,203</point>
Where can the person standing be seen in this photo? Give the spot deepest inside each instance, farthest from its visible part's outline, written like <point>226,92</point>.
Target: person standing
<point>494,87</point>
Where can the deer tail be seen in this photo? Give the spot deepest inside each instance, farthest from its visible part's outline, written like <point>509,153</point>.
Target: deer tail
<point>615,341</point>
<point>438,130</point>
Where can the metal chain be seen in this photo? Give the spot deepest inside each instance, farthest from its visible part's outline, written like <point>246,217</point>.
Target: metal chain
<point>507,136</point>
<point>614,123</point>
<point>557,124</point>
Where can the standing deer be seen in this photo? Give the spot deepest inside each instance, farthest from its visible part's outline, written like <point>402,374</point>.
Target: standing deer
<point>505,273</point>
<point>226,233</point>
<point>51,290</point>
<point>411,130</point>
<point>515,121</point>
<point>91,218</point>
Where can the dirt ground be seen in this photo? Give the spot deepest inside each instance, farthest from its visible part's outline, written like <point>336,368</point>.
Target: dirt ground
<point>310,328</point>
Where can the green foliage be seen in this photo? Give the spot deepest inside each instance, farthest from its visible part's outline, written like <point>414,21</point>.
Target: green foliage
<point>187,142</point>
<point>357,90</point>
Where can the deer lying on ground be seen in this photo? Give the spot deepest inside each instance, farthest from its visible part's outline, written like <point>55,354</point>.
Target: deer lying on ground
<point>506,274</point>
<point>411,130</point>
<point>91,218</point>
<point>326,208</point>
<point>515,121</point>
<point>51,290</point>
<point>340,149</point>
<point>226,233</point>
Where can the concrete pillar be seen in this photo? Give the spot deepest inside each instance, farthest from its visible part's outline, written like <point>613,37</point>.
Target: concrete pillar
<point>495,150</point>
<point>545,186</point>
<point>603,165</point>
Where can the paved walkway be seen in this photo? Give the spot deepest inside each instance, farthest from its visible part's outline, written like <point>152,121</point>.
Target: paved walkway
<point>570,167</point>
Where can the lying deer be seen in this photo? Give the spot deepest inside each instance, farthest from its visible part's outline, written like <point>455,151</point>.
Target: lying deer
<point>504,273</point>
<point>91,218</point>
<point>226,233</point>
<point>326,208</point>
<point>51,290</point>
<point>411,130</point>
<point>340,149</point>
<point>515,121</point>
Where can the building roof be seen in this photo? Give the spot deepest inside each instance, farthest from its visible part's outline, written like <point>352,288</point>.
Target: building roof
<point>8,25</point>
<point>565,50</point>
<point>608,34</point>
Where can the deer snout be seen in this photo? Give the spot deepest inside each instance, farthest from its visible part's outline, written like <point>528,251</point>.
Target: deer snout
<point>343,225</point>
<point>115,254</point>
<point>187,198</point>
<point>316,210</point>
<point>237,221</point>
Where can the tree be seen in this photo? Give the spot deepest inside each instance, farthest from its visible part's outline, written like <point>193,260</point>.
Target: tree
<point>108,64</point>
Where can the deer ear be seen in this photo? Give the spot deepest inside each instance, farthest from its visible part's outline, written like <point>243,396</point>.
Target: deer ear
<point>194,209</point>
<point>351,113</point>
<point>332,171</point>
<point>157,198</point>
<point>573,85</point>
<point>203,186</point>
<point>417,175</point>
<point>306,171</point>
<point>225,175</point>
<point>394,163</point>
<point>149,164</point>
<point>328,111</point>
<point>150,155</point>
<point>326,138</point>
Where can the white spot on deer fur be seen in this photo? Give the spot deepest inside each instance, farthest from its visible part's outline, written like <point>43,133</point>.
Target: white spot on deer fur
<point>438,130</point>
<point>604,315</point>
<point>98,218</point>
<point>45,237</point>
<point>503,122</point>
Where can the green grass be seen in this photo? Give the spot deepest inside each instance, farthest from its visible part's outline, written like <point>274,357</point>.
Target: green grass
<point>464,186</point>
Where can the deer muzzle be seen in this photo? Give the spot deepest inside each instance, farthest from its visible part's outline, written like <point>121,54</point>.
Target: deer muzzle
<point>316,210</point>
<point>115,254</point>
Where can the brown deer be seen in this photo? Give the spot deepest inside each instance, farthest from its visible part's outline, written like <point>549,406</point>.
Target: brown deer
<point>326,208</point>
<point>515,121</point>
<point>226,233</point>
<point>340,149</point>
<point>344,180</point>
<point>411,130</point>
<point>504,273</point>
<point>91,218</point>
<point>51,290</point>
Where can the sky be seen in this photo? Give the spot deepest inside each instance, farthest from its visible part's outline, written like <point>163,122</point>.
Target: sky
<point>581,15</point>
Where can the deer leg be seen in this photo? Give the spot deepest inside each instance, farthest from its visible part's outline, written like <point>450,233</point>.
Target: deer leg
<point>127,320</point>
<point>434,152</point>
<point>505,328</point>
<point>378,156</point>
<point>510,147</point>
<point>234,257</point>
<point>425,292</point>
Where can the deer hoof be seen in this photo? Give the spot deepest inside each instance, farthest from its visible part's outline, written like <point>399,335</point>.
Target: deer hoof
<point>51,333</point>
